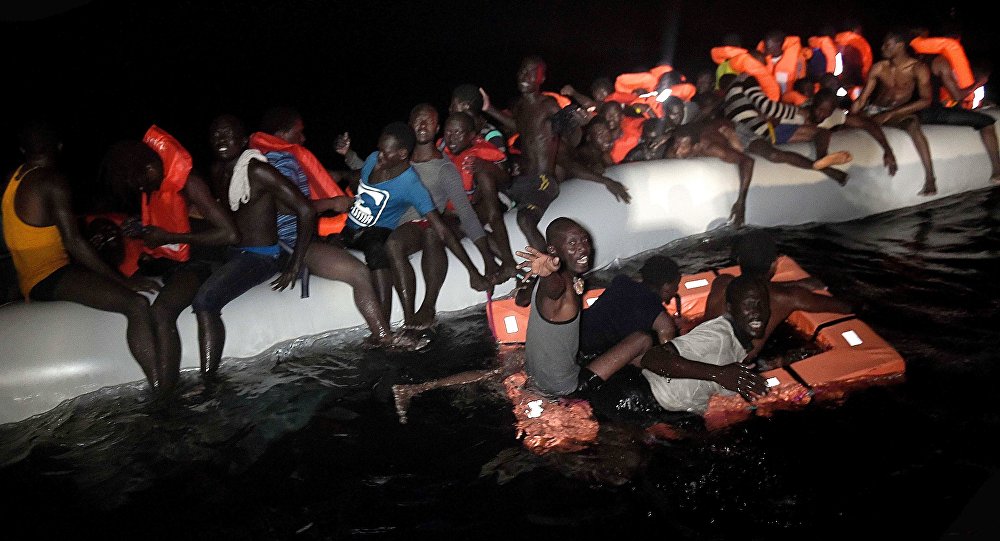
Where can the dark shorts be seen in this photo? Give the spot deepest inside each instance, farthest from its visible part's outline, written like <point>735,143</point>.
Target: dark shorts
<point>371,241</point>
<point>784,132</point>
<point>46,289</point>
<point>955,116</point>
<point>535,192</point>
<point>165,268</point>
<point>241,271</point>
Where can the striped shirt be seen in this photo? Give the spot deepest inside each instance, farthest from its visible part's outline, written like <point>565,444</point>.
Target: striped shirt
<point>747,105</point>
<point>286,163</point>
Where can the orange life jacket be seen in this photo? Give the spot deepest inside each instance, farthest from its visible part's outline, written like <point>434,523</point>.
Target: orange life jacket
<point>166,208</point>
<point>133,246</point>
<point>479,148</point>
<point>853,39</point>
<point>951,49</point>
<point>789,68</point>
<point>563,101</point>
<point>741,62</point>
<point>829,49</point>
<point>321,184</point>
<point>628,83</point>
<point>631,132</point>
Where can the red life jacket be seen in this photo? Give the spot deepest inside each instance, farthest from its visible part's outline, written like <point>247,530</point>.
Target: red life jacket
<point>321,184</point>
<point>166,208</point>
<point>631,132</point>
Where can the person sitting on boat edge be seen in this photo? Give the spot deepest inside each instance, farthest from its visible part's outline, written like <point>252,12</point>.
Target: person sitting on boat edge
<point>757,255</point>
<point>628,305</point>
<point>553,337</point>
<point>41,233</point>
<point>413,233</point>
<point>684,373</point>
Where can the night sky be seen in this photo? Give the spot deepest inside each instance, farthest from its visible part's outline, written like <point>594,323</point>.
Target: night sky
<point>107,69</point>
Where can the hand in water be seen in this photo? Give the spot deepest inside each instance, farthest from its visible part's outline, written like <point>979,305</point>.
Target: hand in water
<point>742,379</point>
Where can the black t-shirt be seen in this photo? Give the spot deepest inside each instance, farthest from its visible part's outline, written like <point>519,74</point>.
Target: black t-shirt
<point>625,306</point>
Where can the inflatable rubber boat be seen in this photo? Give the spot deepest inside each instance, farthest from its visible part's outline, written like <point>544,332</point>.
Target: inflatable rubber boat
<point>848,355</point>
<point>50,352</point>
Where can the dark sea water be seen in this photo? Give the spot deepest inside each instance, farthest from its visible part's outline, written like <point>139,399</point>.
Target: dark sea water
<point>304,443</point>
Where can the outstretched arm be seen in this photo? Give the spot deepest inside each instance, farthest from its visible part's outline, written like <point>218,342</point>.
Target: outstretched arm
<point>577,170</point>
<point>503,118</point>
<point>668,362</point>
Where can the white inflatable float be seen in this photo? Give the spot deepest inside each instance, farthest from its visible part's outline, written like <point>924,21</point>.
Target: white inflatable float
<point>50,352</point>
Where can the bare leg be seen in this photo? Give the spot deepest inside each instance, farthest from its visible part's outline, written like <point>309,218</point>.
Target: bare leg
<point>383,289</point>
<point>772,154</point>
<point>488,209</point>
<point>989,136</point>
<point>404,241</point>
<point>335,263</point>
<point>174,297</point>
<point>629,350</point>
<point>211,340</point>
<point>912,127</point>
<point>527,220</point>
<point>434,265</point>
<point>402,394</point>
<point>90,289</point>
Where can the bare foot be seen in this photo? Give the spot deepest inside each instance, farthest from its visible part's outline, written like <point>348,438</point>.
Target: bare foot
<point>424,319</point>
<point>930,187</point>
<point>995,179</point>
<point>507,271</point>
<point>835,158</point>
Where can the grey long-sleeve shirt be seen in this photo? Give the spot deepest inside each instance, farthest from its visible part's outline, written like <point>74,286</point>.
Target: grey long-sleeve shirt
<point>444,182</point>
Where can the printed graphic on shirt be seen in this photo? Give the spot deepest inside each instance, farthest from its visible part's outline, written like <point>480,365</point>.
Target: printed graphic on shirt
<point>368,205</point>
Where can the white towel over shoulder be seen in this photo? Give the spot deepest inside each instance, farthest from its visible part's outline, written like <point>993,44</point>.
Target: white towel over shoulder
<point>239,185</point>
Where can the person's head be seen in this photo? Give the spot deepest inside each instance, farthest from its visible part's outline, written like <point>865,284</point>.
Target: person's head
<point>599,134</point>
<point>668,80</point>
<point>570,242</point>
<point>683,141</point>
<point>531,75</point>
<point>466,98</point>
<point>611,111</point>
<point>130,166</point>
<point>704,82</point>
<point>39,138</point>
<point>601,88</point>
<point>284,122</point>
<point>748,302</point>
<point>759,56</point>
<point>773,42</point>
<point>824,103</point>
<point>757,254</point>
<point>227,137</point>
<point>424,121</point>
<point>395,144</point>
<point>896,44</point>
<point>652,128</point>
<point>673,110</point>
<point>459,132</point>
<point>106,238</point>
<point>662,274</point>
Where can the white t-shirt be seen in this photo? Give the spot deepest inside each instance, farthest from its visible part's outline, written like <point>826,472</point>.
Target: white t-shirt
<point>712,342</point>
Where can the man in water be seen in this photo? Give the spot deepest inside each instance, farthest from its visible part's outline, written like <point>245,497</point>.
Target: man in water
<point>254,189</point>
<point>536,187</point>
<point>40,229</point>
<point>684,373</point>
<point>897,90</point>
<point>757,256</point>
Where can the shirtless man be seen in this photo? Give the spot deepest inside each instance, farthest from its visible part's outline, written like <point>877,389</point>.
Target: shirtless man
<point>254,189</point>
<point>897,89</point>
<point>595,151</point>
<point>537,186</point>
<point>444,183</point>
<point>41,232</point>
<point>484,177</point>
<point>757,256</point>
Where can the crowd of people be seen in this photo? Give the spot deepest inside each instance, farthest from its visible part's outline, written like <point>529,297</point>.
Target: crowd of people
<point>267,209</point>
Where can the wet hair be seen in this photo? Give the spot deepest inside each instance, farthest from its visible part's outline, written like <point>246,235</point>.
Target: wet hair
<point>659,270</point>
<point>402,133</point>
<point>467,122</point>
<point>421,107</point>
<point>468,93</point>
<point>743,284</point>
<point>756,252</point>
<point>38,137</point>
<point>279,118</point>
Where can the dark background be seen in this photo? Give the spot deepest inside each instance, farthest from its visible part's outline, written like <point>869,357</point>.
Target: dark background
<point>107,69</point>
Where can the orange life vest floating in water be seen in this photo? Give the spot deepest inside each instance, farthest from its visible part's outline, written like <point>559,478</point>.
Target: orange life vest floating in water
<point>790,67</point>
<point>741,61</point>
<point>321,184</point>
<point>166,208</point>
<point>853,39</point>
<point>951,49</point>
